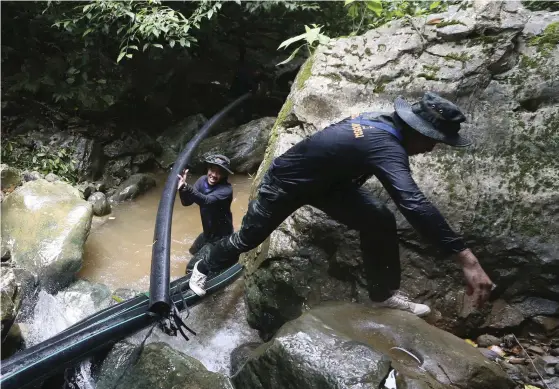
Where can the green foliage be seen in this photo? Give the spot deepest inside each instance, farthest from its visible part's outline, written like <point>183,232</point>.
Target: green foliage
<point>539,5</point>
<point>138,25</point>
<point>267,6</point>
<point>547,40</point>
<point>374,13</point>
<point>43,160</point>
<point>312,37</point>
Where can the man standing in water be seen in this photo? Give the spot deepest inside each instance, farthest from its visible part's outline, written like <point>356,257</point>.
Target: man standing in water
<point>327,169</point>
<point>214,195</point>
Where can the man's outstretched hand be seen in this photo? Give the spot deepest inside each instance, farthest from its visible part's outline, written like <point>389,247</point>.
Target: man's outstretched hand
<point>182,179</point>
<point>478,284</point>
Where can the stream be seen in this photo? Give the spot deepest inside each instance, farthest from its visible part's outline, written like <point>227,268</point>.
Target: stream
<point>117,254</point>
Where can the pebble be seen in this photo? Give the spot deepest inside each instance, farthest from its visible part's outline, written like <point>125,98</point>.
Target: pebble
<point>554,352</point>
<point>509,341</point>
<point>517,361</point>
<point>487,340</point>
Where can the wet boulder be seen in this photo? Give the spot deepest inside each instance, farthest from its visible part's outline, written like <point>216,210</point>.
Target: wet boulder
<point>52,313</point>
<point>343,345</point>
<point>500,64</point>
<point>10,298</point>
<point>134,186</point>
<point>174,138</point>
<point>10,177</point>
<point>44,226</point>
<point>101,206</point>
<point>156,366</point>
<point>244,146</point>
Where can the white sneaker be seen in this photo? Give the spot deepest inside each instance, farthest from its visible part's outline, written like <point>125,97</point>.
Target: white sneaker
<point>399,301</point>
<point>197,281</point>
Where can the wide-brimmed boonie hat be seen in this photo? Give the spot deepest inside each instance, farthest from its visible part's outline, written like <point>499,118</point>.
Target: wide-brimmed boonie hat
<point>435,117</point>
<point>220,160</point>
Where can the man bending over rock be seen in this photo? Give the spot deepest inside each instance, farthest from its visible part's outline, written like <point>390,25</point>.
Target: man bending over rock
<point>214,195</point>
<point>327,170</point>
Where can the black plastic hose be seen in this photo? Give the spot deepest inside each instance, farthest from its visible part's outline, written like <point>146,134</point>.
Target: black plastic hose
<point>159,301</point>
<point>89,336</point>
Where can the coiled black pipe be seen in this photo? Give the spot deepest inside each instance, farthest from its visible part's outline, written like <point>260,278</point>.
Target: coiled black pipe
<point>159,301</point>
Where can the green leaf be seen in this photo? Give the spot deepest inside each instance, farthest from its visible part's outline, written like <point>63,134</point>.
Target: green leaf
<point>87,32</point>
<point>120,56</point>
<point>293,54</point>
<point>312,34</point>
<point>434,5</point>
<point>375,6</point>
<point>210,13</point>
<point>133,47</point>
<point>101,81</point>
<point>172,43</point>
<point>158,45</point>
<point>323,39</point>
<point>145,47</point>
<point>348,2</point>
<point>70,80</point>
<point>128,55</point>
<point>294,39</point>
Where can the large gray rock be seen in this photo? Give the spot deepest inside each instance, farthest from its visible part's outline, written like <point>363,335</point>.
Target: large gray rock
<point>130,144</point>
<point>87,152</point>
<point>502,194</point>
<point>347,346</point>
<point>244,146</point>
<point>173,139</point>
<point>157,366</point>
<point>10,177</point>
<point>44,226</point>
<point>134,186</point>
<point>101,206</point>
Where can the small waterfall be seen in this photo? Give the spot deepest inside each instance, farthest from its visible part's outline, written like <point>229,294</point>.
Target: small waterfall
<point>220,324</point>
<point>53,314</point>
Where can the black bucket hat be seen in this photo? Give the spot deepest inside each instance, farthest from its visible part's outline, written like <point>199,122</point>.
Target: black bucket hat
<point>220,160</point>
<point>435,117</point>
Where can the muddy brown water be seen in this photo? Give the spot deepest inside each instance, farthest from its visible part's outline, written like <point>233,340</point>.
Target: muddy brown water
<point>117,252</point>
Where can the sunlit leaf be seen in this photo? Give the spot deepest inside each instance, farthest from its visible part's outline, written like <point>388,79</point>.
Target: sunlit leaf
<point>289,41</point>
<point>293,54</point>
<point>348,2</point>
<point>120,56</point>
<point>375,6</point>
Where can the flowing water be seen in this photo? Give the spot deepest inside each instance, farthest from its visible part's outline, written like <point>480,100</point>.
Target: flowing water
<point>118,254</point>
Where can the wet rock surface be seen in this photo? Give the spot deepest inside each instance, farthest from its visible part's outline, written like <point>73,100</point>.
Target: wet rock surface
<point>177,136</point>
<point>157,366</point>
<point>133,187</point>
<point>341,345</point>
<point>44,227</point>
<point>244,146</point>
<point>101,206</point>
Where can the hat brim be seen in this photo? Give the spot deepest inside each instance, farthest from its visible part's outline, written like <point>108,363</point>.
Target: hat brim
<point>404,111</point>
<point>221,166</point>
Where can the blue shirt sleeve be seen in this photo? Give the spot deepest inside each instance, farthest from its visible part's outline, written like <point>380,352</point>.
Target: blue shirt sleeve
<point>222,192</point>
<point>186,197</point>
<point>391,167</point>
